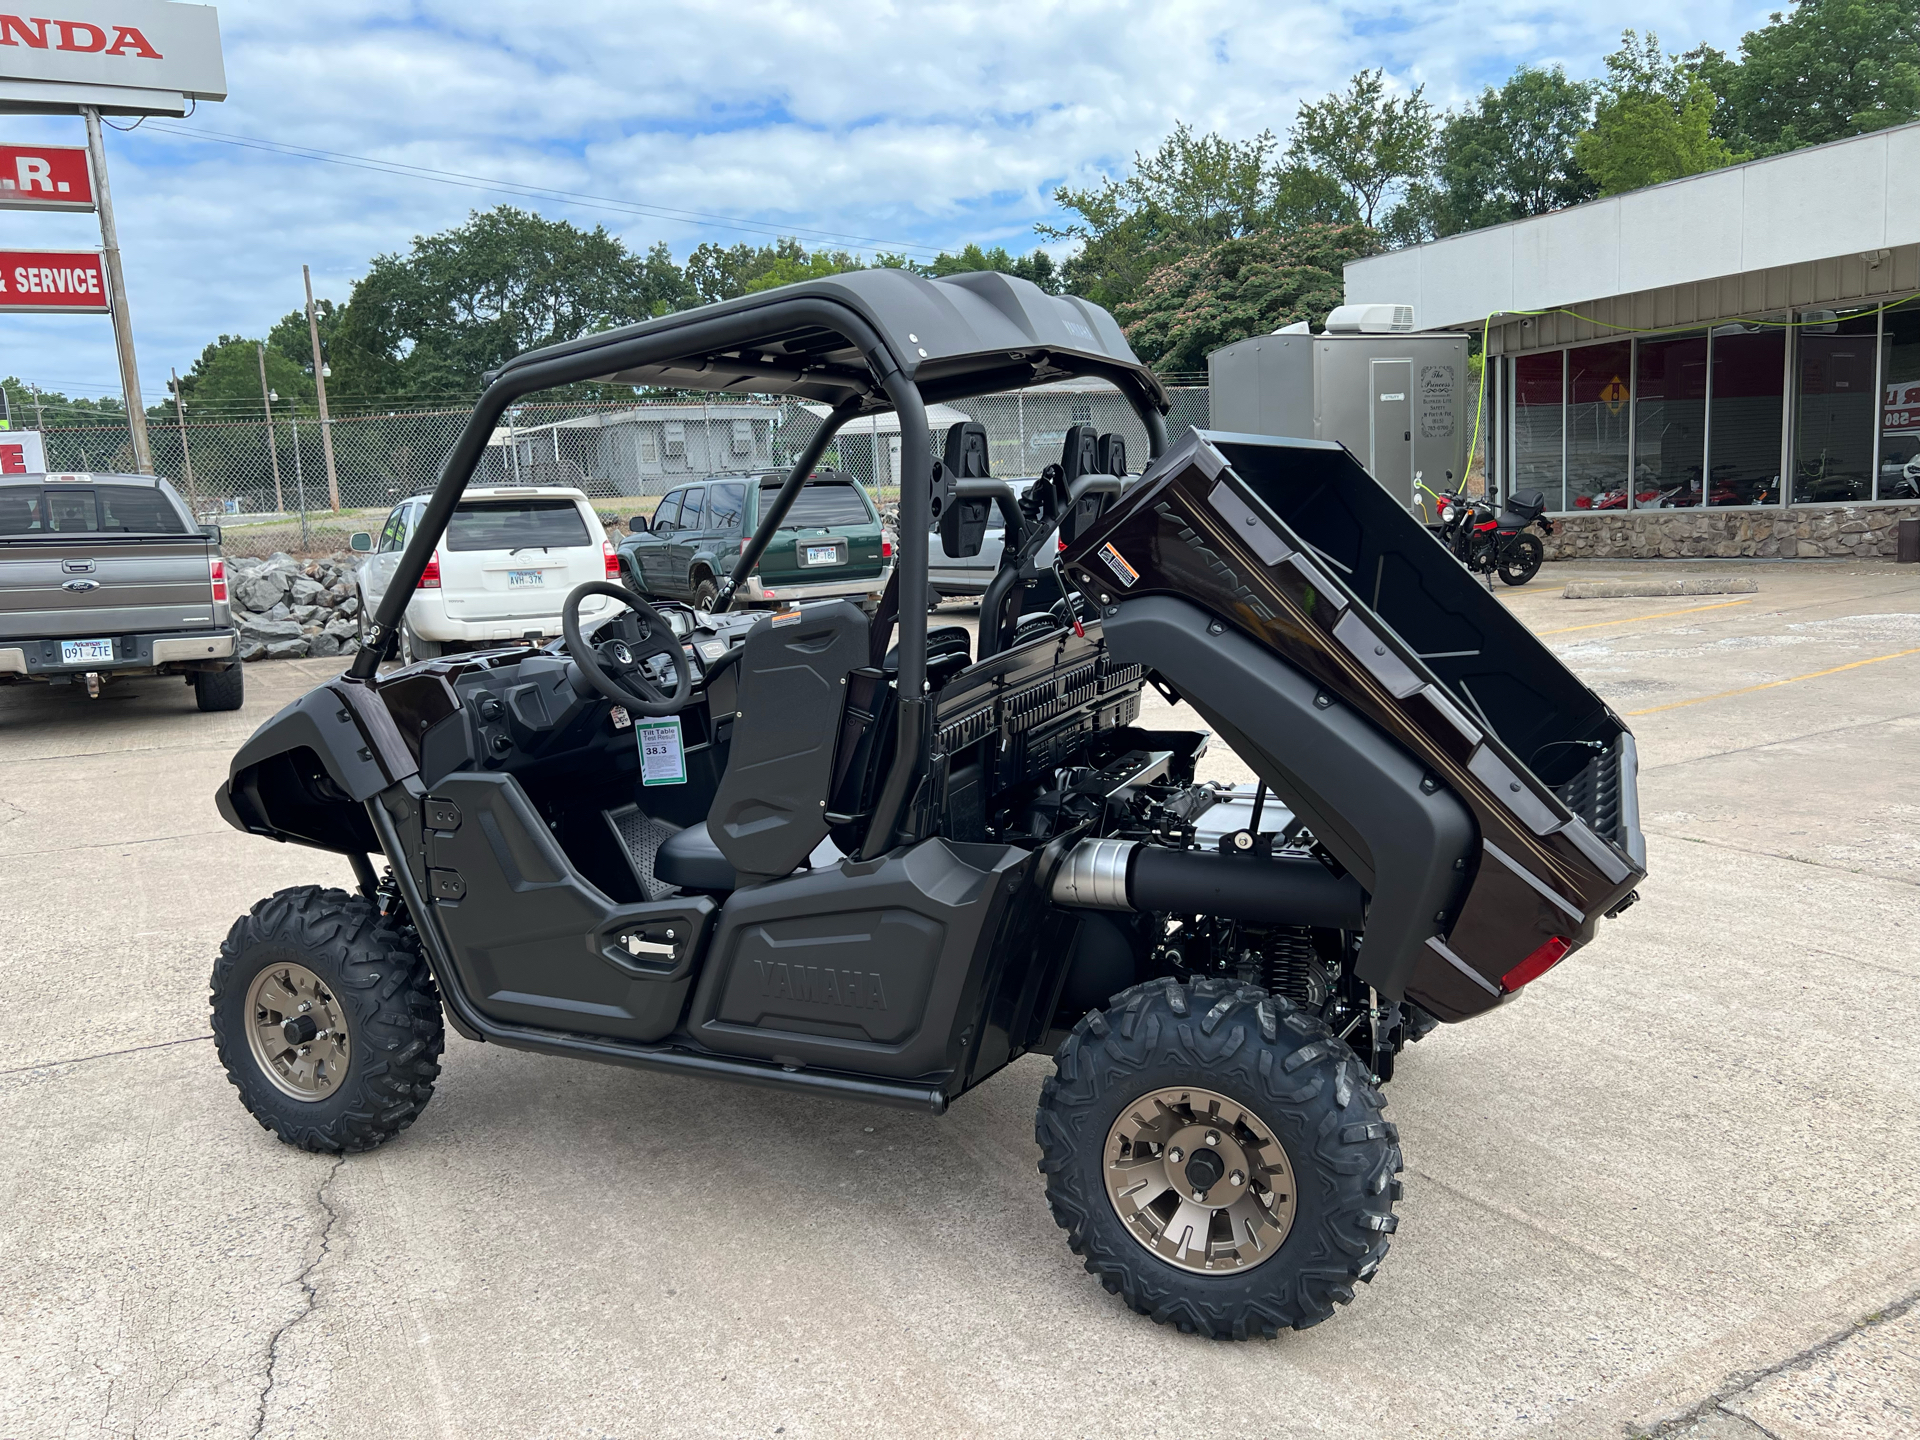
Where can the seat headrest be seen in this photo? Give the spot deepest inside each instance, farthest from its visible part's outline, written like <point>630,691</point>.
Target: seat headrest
<point>1080,453</point>
<point>1113,454</point>
<point>966,452</point>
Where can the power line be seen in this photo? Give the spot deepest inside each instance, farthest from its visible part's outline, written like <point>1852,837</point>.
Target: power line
<point>515,187</point>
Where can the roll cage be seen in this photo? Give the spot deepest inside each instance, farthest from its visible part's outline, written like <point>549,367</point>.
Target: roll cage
<point>864,342</point>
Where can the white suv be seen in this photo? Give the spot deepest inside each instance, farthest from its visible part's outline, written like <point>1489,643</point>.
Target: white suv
<point>500,574</point>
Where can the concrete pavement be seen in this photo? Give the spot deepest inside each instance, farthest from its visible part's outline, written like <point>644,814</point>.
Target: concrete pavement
<point>1671,1191</point>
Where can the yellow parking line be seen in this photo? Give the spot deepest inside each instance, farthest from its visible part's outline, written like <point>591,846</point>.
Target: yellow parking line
<point>1771,684</point>
<point>1601,624</point>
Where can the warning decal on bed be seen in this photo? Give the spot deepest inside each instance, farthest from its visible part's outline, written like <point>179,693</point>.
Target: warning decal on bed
<point>1117,563</point>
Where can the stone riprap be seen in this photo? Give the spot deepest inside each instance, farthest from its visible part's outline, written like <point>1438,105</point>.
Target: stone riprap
<point>288,609</point>
<point>1848,532</point>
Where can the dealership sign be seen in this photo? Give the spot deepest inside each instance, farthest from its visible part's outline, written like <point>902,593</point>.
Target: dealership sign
<point>45,177</point>
<point>1900,413</point>
<point>128,55</point>
<point>44,281</point>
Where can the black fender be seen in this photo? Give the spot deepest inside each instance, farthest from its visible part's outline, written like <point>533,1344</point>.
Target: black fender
<point>1407,839</point>
<point>305,774</point>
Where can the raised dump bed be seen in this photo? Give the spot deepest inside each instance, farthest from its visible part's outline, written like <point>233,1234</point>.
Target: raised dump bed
<point>1498,822</point>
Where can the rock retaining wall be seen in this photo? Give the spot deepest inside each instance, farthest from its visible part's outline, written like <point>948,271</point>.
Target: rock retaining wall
<point>288,609</point>
<point>1854,532</point>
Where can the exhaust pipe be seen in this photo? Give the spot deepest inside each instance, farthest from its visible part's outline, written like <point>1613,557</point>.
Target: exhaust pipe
<point>1281,890</point>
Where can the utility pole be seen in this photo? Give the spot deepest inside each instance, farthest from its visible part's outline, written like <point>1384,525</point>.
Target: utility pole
<point>117,296</point>
<point>186,460</point>
<point>266,399</point>
<point>39,418</point>
<point>320,393</point>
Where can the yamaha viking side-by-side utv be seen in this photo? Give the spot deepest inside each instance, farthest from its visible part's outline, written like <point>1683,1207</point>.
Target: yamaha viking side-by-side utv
<point>794,850</point>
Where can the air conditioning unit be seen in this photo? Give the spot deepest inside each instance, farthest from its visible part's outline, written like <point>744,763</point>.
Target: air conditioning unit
<point>1371,320</point>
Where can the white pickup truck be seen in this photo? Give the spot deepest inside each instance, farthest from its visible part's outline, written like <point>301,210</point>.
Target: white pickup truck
<point>103,576</point>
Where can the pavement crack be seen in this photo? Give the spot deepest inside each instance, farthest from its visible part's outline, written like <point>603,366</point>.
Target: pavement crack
<point>105,1055</point>
<point>1780,740</point>
<point>1779,855</point>
<point>1738,1384</point>
<point>310,1297</point>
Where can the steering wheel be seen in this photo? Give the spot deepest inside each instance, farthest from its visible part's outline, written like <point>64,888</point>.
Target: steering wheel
<point>612,663</point>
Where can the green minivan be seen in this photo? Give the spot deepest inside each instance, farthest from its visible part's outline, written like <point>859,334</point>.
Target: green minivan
<point>831,544</point>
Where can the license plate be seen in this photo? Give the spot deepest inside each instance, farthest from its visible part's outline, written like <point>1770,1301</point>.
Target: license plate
<point>517,578</point>
<point>823,555</point>
<point>74,652</point>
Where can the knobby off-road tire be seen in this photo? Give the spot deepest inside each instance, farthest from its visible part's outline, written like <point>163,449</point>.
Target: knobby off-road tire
<point>705,592</point>
<point>1286,1068</point>
<point>372,975</point>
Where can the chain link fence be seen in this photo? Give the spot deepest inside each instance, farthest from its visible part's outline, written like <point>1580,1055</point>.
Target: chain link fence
<point>269,488</point>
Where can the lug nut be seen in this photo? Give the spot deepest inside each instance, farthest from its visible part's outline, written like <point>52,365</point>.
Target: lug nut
<point>1176,1155</point>
<point>1237,1178</point>
<point>305,1005</point>
<point>1213,1137</point>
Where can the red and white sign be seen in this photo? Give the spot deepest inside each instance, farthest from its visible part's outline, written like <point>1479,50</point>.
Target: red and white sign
<point>22,453</point>
<point>52,281</point>
<point>45,177</point>
<point>1900,412</point>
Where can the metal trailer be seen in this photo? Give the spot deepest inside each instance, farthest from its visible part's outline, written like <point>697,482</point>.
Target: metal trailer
<point>1397,402</point>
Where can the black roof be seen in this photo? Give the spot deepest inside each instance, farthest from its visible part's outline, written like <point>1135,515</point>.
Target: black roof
<point>954,336</point>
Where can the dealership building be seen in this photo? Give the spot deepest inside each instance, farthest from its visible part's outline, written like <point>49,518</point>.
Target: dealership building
<point>1723,365</point>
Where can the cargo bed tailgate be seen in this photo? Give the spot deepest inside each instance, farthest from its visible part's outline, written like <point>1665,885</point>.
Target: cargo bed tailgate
<point>1292,544</point>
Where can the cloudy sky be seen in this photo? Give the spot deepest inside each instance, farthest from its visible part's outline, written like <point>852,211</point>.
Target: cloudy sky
<point>863,124</point>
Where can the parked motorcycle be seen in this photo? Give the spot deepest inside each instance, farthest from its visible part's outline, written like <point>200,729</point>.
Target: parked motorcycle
<point>1490,542</point>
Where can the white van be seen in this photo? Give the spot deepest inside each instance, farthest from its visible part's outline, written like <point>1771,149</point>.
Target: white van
<point>500,573</point>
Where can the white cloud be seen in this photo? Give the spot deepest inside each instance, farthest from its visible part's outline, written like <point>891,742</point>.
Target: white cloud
<point>928,124</point>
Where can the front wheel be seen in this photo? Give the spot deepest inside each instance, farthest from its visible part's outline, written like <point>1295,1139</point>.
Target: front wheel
<point>327,1020</point>
<point>1218,1158</point>
<point>1520,559</point>
<point>705,592</point>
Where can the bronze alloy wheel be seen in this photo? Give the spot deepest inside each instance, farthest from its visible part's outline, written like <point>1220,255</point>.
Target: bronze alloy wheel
<point>297,1031</point>
<point>1199,1180</point>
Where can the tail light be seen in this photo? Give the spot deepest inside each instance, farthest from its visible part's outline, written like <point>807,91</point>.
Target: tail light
<point>217,573</point>
<point>430,577</point>
<point>613,559</point>
<point>1535,965</point>
<point>886,549</point>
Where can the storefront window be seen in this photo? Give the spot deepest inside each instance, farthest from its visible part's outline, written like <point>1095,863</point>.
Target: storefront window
<point>1597,419</point>
<point>1670,423</point>
<point>1834,411</point>
<point>1537,381</point>
<point>1900,404</point>
<point>1743,443</point>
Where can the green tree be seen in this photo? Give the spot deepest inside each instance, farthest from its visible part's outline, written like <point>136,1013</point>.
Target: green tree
<point>1371,145</point>
<point>224,383</point>
<point>1828,70</point>
<point>430,323</point>
<point>1037,265</point>
<point>1510,153</point>
<point>55,409</point>
<point>1191,193</point>
<point>1653,122</point>
<point>1247,285</point>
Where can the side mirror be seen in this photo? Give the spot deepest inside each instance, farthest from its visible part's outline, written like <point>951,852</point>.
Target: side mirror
<point>638,524</point>
<point>360,543</point>
<point>212,532</point>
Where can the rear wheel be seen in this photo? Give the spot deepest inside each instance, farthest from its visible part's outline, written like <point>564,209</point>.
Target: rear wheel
<point>327,1019</point>
<point>1218,1158</point>
<point>1520,558</point>
<point>220,689</point>
<point>413,648</point>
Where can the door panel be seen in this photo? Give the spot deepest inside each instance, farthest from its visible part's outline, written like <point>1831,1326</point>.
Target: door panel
<point>1390,427</point>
